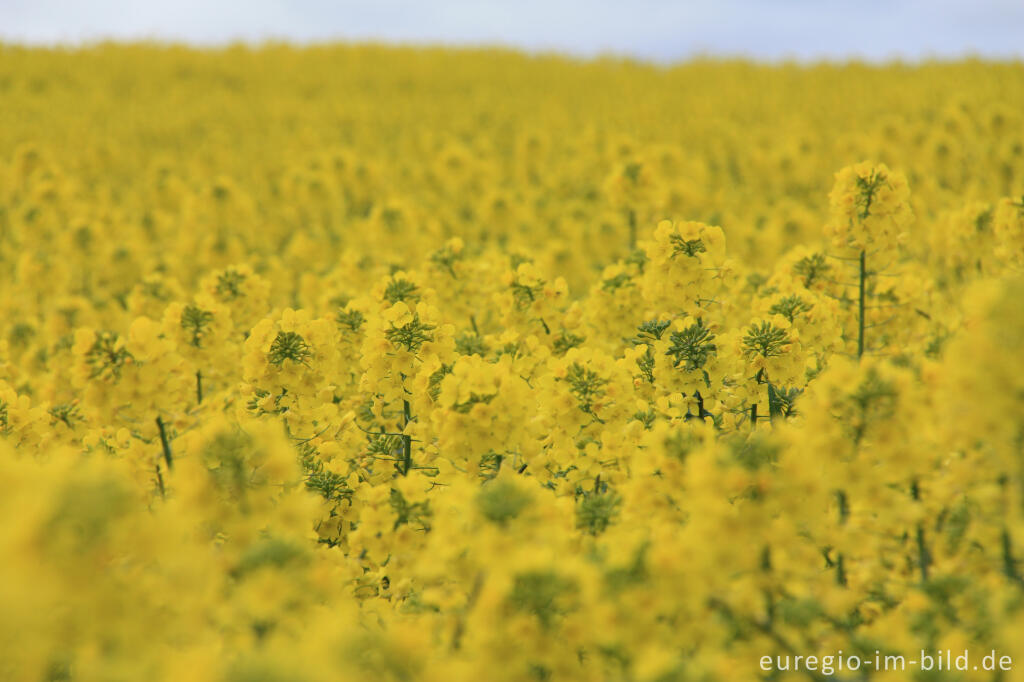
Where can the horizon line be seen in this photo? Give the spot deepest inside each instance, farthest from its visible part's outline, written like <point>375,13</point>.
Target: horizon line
<point>694,55</point>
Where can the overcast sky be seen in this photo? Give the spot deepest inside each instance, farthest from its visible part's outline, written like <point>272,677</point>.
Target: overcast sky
<point>662,30</point>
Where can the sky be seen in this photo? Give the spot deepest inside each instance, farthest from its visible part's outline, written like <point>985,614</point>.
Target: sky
<point>656,30</point>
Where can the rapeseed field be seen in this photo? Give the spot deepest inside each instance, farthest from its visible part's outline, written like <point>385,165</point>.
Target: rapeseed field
<point>422,365</point>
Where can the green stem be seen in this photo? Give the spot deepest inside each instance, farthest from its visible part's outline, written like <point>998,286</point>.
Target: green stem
<point>406,439</point>
<point>923,558</point>
<point>769,598</point>
<point>199,387</point>
<point>632,229</point>
<point>774,404</point>
<point>165,444</point>
<point>860,305</point>
<point>1009,562</point>
<point>160,481</point>
<point>844,514</point>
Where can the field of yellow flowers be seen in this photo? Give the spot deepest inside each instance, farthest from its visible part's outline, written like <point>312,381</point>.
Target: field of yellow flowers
<point>416,365</point>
